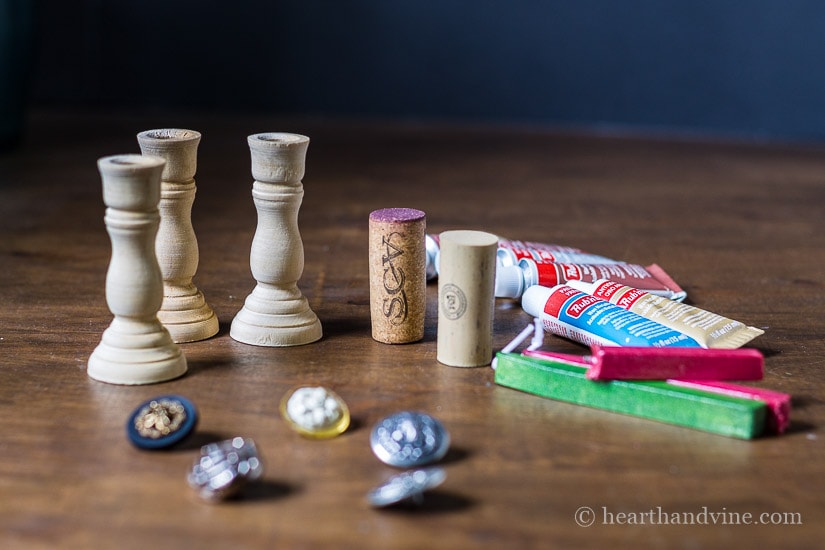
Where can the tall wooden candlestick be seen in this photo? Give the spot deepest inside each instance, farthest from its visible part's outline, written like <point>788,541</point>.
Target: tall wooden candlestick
<point>136,348</point>
<point>276,313</point>
<point>184,312</point>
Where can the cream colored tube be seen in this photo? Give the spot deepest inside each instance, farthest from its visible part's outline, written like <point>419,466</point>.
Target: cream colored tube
<point>710,330</point>
<point>466,284</point>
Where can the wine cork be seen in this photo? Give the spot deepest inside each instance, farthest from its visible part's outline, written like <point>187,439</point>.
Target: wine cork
<point>398,283</point>
<point>466,283</point>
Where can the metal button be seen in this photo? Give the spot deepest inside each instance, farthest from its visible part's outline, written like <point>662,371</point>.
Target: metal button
<point>161,422</point>
<point>315,412</point>
<point>224,468</point>
<point>409,439</point>
<point>407,486</point>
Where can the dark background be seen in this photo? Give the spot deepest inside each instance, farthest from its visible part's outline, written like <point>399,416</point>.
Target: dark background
<point>750,69</point>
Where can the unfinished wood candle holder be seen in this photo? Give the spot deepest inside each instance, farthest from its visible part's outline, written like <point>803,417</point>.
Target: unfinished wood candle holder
<point>276,313</point>
<point>184,311</point>
<point>136,348</point>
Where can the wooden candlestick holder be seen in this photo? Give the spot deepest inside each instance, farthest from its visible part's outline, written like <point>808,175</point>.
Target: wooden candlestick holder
<point>136,348</point>
<point>184,311</point>
<point>276,313</point>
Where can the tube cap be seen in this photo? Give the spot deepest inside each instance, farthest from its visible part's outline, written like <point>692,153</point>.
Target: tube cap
<point>509,281</point>
<point>505,256</point>
<point>432,249</point>
<point>534,299</point>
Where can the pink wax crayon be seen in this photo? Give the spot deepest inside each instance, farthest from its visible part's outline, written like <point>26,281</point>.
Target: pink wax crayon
<point>649,363</point>
<point>778,403</point>
<point>626,363</point>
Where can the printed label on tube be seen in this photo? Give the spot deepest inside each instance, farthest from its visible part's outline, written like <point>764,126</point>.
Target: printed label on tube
<point>589,319</point>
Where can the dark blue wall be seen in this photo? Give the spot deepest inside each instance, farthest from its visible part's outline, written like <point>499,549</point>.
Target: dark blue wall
<point>749,68</point>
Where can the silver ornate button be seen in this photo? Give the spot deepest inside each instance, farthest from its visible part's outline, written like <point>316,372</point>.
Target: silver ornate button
<point>407,486</point>
<point>409,439</point>
<point>224,468</point>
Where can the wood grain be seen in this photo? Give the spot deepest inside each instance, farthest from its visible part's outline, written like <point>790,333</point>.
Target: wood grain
<point>739,226</point>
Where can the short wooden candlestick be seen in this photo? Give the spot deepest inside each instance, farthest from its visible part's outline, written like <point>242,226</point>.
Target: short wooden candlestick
<point>136,348</point>
<point>276,313</point>
<point>184,312</point>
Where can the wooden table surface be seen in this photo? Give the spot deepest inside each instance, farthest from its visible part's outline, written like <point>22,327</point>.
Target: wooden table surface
<point>739,226</point>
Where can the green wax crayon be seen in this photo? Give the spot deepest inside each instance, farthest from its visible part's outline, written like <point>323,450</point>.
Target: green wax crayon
<point>710,412</point>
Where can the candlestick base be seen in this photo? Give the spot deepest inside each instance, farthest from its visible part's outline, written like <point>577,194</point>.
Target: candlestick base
<point>188,317</point>
<point>132,353</point>
<point>276,317</point>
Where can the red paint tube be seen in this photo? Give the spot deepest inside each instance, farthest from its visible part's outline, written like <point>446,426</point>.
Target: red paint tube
<point>511,252</point>
<point>512,281</point>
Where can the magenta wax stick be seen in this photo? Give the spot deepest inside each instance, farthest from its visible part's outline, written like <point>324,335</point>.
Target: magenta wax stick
<point>630,363</point>
<point>778,403</point>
